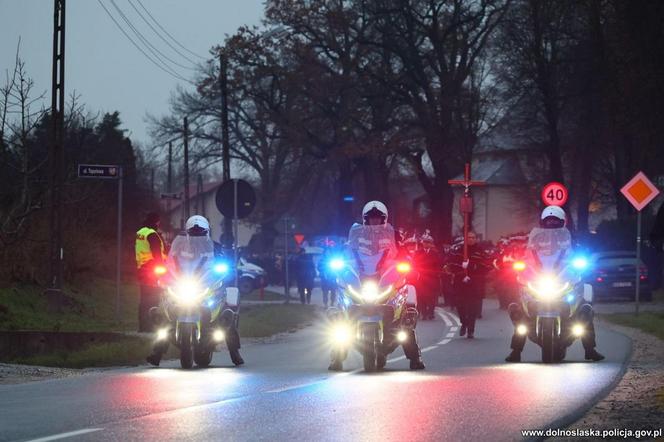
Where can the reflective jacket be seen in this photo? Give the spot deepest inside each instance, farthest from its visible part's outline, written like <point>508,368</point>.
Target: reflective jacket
<point>143,249</point>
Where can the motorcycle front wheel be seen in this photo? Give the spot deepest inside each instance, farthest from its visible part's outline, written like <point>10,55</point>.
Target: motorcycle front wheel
<point>548,339</point>
<point>186,335</point>
<point>369,347</point>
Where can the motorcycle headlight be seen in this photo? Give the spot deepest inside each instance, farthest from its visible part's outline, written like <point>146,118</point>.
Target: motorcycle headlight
<point>548,287</point>
<point>188,291</point>
<point>370,292</point>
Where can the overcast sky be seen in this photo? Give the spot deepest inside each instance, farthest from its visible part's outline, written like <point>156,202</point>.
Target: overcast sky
<point>102,65</point>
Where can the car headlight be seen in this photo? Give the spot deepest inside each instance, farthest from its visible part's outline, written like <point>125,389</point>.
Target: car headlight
<point>188,292</point>
<point>548,287</point>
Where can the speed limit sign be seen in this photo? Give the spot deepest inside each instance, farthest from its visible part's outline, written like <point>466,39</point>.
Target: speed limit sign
<point>555,194</point>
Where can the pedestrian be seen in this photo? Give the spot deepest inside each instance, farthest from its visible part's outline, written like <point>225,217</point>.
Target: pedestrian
<point>328,279</point>
<point>428,263</point>
<point>470,281</point>
<point>150,253</point>
<point>305,273</point>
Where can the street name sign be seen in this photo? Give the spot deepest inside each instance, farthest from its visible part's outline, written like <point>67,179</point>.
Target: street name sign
<point>106,171</point>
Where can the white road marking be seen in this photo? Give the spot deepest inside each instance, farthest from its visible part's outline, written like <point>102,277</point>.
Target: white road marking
<point>451,334</point>
<point>66,435</point>
<point>444,317</point>
<point>444,341</point>
<point>455,328</point>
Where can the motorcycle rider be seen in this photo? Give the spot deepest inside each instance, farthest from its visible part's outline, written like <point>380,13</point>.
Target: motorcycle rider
<point>552,236</point>
<point>185,250</point>
<point>380,236</point>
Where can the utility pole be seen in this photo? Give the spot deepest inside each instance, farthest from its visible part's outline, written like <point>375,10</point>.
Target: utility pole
<point>169,178</point>
<point>152,183</point>
<point>225,140</point>
<point>200,198</point>
<point>56,151</point>
<point>286,275</point>
<point>186,168</point>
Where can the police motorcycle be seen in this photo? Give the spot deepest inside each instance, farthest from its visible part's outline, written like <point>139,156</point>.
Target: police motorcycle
<point>198,310</point>
<point>552,296</point>
<point>375,315</point>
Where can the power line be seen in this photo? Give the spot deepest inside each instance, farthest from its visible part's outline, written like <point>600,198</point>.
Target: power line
<point>167,33</point>
<point>158,34</point>
<point>169,72</point>
<point>156,52</point>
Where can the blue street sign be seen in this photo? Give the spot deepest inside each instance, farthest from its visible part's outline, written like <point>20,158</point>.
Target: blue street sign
<point>105,171</point>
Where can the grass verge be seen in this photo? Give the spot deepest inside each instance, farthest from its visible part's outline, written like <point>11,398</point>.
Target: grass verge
<point>88,306</point>
<point>255,321</point>
<point>649,322</point>
<point>268,295</point>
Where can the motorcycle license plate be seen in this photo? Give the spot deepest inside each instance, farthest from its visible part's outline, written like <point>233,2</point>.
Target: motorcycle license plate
<point>190,318</point>
<point>621,284</point>
<point>548,314</point>
<point>370,319</point>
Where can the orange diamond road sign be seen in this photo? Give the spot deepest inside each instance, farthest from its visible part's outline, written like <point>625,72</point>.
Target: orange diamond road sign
<point>639,191</point>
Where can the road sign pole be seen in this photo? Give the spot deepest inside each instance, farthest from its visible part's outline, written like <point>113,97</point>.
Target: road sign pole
<point>235,230</point>
<point>639,191</point>
<point>637,265</point>
<point>286,281</point>
<point>118,274</point>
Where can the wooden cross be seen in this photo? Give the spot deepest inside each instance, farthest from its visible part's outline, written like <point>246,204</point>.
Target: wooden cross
<point>466,205</point>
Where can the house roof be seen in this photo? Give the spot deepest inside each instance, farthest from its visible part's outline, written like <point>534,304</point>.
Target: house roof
<point>504,171</point>
<point>193,193</point>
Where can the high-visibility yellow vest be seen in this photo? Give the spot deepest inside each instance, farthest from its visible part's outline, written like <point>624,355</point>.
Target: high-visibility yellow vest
<point>143,251</point>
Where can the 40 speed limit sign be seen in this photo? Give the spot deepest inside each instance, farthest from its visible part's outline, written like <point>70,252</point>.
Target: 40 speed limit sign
<point>555,194</point>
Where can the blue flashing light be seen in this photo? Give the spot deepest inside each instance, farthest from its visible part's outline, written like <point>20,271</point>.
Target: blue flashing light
<point>580,263</point>
<point>210,303</point>
<point>336,264</point>
<point>570,298</point>
<point>349,198</point>
<point>221,268</point>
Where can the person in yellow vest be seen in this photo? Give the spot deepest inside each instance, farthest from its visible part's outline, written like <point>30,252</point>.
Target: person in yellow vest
<point>150,252</point>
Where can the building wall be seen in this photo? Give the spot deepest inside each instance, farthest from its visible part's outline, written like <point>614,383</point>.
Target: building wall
<point>209,210</point>
<point>498,211</point>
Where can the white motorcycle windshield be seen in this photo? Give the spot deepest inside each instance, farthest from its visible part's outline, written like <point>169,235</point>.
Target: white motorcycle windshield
<point>193,254</point>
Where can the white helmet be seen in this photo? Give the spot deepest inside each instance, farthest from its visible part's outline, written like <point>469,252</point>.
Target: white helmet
<point>554,212</point>
<point>197,223</point>
<point>374,207</point>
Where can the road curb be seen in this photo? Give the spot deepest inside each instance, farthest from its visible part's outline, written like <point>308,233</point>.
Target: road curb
<point>569,419</point>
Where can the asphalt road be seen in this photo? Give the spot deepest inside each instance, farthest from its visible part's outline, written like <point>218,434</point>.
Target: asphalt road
<point>284,392</point>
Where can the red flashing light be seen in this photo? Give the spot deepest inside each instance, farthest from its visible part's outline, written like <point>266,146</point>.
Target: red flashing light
<point>404,267</point>
<point>519,266</point>
<point>160,270</point>
<point>600,279</point>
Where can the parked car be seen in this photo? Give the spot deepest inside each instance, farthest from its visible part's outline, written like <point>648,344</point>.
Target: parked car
<point>250,276</point>
<point>613,276</point>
